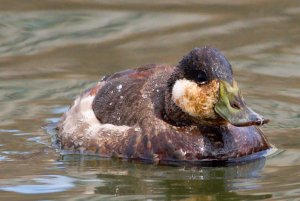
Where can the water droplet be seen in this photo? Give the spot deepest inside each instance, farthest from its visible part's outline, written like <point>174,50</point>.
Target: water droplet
<point>119,87</point>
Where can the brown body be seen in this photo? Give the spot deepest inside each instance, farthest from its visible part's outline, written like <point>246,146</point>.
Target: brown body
<point>133,121</point>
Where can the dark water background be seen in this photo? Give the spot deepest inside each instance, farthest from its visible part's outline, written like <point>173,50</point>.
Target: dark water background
<point>52,50</point>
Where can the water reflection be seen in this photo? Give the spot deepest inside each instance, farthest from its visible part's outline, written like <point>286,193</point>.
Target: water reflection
<point>122,178</point>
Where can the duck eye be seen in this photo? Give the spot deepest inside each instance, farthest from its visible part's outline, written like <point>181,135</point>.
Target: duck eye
<point>201,77</point>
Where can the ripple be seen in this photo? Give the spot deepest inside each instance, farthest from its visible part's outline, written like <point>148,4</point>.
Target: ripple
<point>16,152</point>
<point>60,109</point>
<point>9,131</point>
<point>47,184</point>
<point>3,158</point>
<point>39,31</point>
<point>38,140</point>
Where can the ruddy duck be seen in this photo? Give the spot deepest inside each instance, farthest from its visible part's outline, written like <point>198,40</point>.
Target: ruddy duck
<point>192,112</point>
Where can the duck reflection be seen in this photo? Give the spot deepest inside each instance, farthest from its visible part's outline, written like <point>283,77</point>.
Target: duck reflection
<point>136,181</point>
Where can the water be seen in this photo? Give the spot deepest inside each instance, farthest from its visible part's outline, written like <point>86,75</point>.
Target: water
<point>50,51</point>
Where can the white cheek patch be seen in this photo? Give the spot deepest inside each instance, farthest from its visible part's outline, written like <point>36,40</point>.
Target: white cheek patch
<point>179,91</point>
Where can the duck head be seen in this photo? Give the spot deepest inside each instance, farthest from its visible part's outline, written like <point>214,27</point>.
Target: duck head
<point>203,87</point>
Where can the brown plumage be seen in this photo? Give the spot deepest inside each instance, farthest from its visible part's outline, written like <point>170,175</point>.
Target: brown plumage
<point>132,114</point>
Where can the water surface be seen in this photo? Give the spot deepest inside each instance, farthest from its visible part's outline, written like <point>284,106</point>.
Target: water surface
<point>50,51</point>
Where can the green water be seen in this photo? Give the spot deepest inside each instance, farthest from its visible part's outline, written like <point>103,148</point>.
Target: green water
<point>50,51</point>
